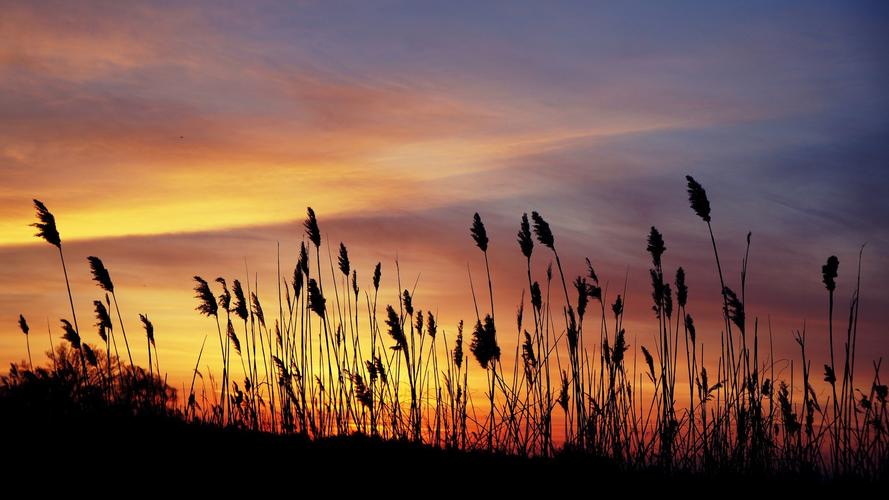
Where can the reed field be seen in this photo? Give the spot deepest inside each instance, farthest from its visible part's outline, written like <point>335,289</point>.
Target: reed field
<point>330,355</point>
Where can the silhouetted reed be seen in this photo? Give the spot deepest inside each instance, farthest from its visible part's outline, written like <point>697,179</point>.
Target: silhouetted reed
<point>46,230</point>
<point>320,365</point>
<point>23,326</point>
<point>102,277</point>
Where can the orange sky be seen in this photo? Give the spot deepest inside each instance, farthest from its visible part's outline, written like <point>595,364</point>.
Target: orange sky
<point>180,140</point>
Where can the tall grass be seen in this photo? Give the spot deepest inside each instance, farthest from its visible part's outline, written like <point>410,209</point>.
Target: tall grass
<point>328,365</point>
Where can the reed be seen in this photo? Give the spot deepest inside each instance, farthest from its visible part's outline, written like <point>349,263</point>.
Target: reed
<point>23,326</point>
<point>327,365</point>
<point>47,231</point>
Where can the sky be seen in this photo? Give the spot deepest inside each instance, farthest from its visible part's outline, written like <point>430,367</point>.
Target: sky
<point>182,138</point>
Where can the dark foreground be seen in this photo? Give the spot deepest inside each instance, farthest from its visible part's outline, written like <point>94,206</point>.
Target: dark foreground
<point>52,443</point>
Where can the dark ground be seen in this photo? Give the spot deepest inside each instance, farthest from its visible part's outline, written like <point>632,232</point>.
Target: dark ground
<point>50,444</point>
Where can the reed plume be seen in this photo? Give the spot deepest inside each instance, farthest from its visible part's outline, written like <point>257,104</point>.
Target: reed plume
<point>376,277</point>
<point>395,329</point>
<point>431,325</point>
<point>23,326</point>
<point>149,336</point>
<point>343,260</point>
<point>257,309</point>
<point>90,355</point>
<point>206,300</point>
<point>478,232</point>
<point>697,197</point>
<point>224,299</point>
<point>240,301</point>
<point>70,334</point>
<point>46,225</point>
<point>102,277</point>
<point>103,319</point>
<point>73,337</point>
<point>484,342</point>
<point>317,302</point>
<point>649,361</point>
<point>47,230</point>
<point>543,231</point>
<point>526,243</point>
<point>681,288</point>
<point>458,347</point>
<point>408,303</point>
<point>233,337</point>
<point>735,308</point>
<point>528,357</point>
<point>311,226</point>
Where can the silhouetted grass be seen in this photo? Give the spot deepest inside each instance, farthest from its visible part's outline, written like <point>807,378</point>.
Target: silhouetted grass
<point>320,367</point>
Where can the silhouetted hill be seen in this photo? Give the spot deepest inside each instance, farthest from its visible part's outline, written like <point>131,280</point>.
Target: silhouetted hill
<point>45,432</point>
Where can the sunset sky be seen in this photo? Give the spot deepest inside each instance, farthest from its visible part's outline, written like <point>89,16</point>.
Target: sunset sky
<point>182,138</point>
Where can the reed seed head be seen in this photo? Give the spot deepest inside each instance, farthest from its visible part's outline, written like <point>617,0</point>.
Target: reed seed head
<point>233,337</point>
<point>100,274</point>
<point>377,273</point>
<point>620,347</point>
<point>303,261</point>
<point>583,288</point>
<point>431,325</point>
<point>46,225</point>
<point>536,297</point>
<point>225,298</point>
<point>681,288</point>
<point>829,272</point>
<point>734,308</point>
<point>418,323</point>
<point>23,324</point>
<point>697,197</point>
<point>90,355</point>
<point>526,243</point>
<point>478,232</point>
<point>543,231</point>
<point>530,360</point>
<point>312,230</point>
<point>297,282</point>
<point>103,319</point>
<point>656,246</point>
<point>571,331</point>
<point>668,300</point>
<point>649,361</point>
<point>484,342</point>
<point>240,306</point>
<point>591,273</point>
<point>149,327</point>
<point>343,260</point>
<point>70,334</point>
<point>206,301</point>
<point>395,329</point>
<point>408,303</point>
<point>458,346</point>
<point>317,302</point>
<point>257,309</point>
<point>563,392</point>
